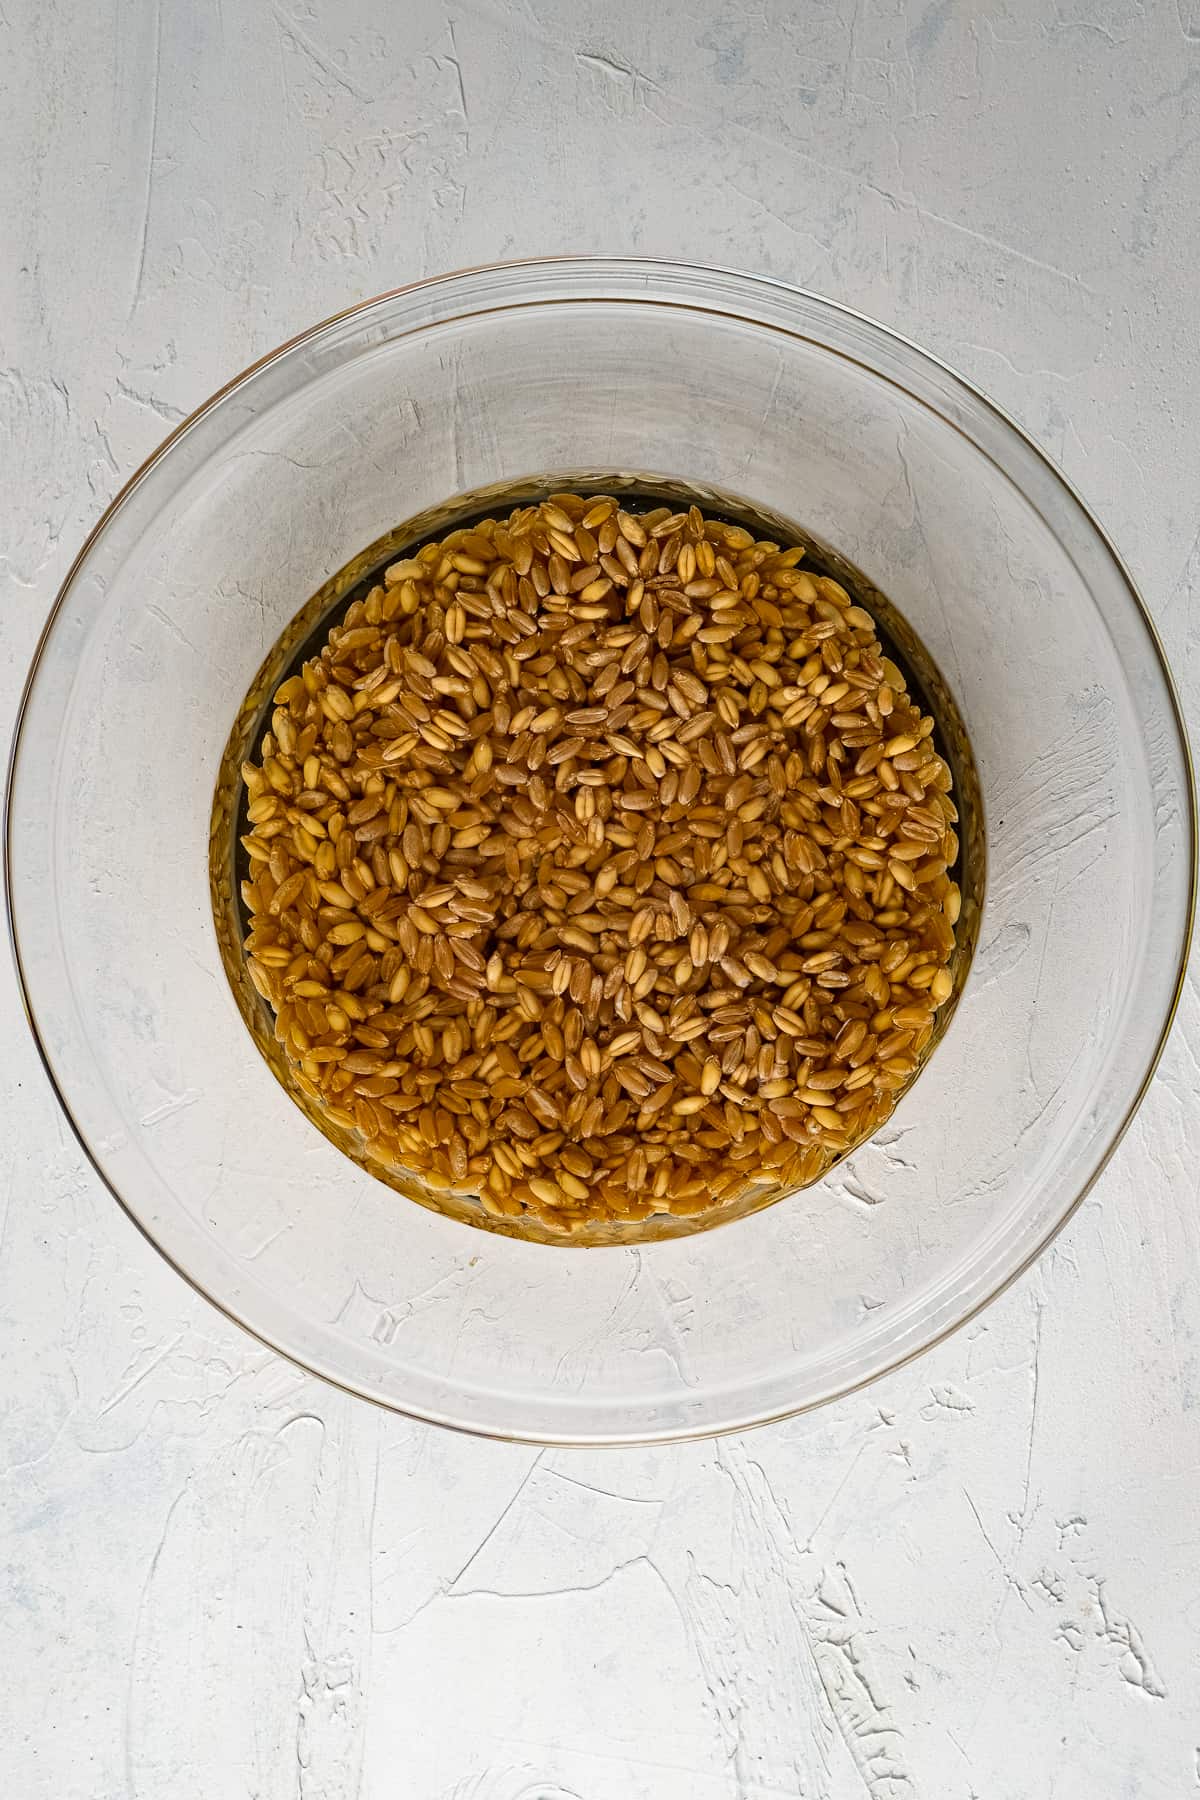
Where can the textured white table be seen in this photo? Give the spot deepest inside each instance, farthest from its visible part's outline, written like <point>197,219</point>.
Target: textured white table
<point>221,1580</point>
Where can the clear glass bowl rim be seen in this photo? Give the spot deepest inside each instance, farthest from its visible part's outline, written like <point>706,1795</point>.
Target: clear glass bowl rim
<point>734,285</point>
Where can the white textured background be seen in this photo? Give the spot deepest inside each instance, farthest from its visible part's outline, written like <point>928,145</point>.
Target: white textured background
<point>977,1581</point>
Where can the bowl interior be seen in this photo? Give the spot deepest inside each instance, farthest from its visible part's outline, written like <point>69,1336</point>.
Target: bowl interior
<point>720,382</point>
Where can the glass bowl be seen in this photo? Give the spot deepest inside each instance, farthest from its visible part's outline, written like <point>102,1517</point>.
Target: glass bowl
<point>730,384</point>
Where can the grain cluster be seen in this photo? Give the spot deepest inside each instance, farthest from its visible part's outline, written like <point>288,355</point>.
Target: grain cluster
<point>599,866</point>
